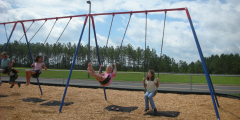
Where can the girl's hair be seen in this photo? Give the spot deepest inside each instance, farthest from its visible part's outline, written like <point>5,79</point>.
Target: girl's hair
<point>153,75</point>
<point>4,54</point>
<point>108,67</point>
<point>36,59</point>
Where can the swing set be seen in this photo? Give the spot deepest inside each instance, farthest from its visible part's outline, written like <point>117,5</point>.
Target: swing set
<point>210,85</point>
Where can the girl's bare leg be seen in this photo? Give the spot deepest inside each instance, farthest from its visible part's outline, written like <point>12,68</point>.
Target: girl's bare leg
<point>26,76</point>
<point>92,72</point>
<point>97,76</point>
<point>29,73</point>
<point>90,67</point>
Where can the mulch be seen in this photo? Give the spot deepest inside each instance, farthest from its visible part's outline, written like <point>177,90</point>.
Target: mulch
<point>87,103</point>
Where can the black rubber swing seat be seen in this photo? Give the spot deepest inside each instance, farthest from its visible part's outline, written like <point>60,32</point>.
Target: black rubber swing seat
<point>3,96</point>
<point>120,108</point>
<point>163,113</point>
<point>6,70</point>
<point>36,75</point>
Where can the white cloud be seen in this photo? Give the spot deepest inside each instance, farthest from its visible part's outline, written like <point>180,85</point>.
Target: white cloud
<point>102,41</point>
<point>121,29</point>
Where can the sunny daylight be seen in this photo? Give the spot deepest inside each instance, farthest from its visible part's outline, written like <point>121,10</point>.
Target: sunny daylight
<point>119,59</point>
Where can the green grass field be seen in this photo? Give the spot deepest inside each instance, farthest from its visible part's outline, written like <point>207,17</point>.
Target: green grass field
<point>237,94</point>
<point>171,78</point>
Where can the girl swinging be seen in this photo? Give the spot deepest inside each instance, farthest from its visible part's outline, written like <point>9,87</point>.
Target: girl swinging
<point>106,78</point>
<point>37,69</point>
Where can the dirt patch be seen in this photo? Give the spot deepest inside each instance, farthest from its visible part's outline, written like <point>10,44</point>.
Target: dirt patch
<point>15,94</point>
<point>89,104</point>
<point>42,111</point>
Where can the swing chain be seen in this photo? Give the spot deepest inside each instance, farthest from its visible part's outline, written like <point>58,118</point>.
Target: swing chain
<point>123,38</point>
<point>107,39</point>
<point>162,43</point>
<point>26,31</point>
<point>61,34</point>
<point>145,45</point>
<point>6,32</point>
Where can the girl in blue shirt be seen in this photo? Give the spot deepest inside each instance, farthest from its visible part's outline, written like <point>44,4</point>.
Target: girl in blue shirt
<point>5,62</point>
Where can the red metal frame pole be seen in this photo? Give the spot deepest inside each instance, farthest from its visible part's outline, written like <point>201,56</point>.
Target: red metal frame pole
<point>30,53</point>
<point>14,26</point>
<point>96,14</point>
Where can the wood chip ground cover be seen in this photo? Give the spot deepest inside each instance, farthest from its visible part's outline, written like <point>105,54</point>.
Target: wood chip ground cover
<point>89,104</point>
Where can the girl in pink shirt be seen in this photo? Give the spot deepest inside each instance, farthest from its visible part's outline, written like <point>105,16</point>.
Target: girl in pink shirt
<point>37,69</point>
<point>104,79</point>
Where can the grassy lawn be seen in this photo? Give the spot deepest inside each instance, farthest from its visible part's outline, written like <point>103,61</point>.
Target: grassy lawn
<point>79,74</point>
<point>235,94</point>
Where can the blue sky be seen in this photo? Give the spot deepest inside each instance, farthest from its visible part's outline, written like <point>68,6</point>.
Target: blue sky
<point>216,24</point>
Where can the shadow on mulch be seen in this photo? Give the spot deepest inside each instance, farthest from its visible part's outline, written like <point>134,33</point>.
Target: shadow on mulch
<point>163,113</point>
<point>56,103</point>
<point>121,109</point>
<point>3,96</point>
<point>119,118</point>
<point>34,100</point>
<point>7,107</point>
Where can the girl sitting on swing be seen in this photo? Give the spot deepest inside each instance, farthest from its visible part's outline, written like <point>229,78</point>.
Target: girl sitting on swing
<point>37,69</point>
<point>150,84</point>
<point>6,64</point>
<point>106,78</point>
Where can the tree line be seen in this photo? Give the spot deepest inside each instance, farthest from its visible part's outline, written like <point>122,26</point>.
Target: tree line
<point>60,56</point>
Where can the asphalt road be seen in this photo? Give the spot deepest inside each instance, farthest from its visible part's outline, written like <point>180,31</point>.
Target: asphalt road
<point>226,89</point>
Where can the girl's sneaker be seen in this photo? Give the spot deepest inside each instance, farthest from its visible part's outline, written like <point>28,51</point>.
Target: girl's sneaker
<point>11,86</point>
<point>19,84</point>
<point>155,111</point>
<point>146,110</point>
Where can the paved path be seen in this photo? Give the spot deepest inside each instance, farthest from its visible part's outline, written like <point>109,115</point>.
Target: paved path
<point>226,89</point>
